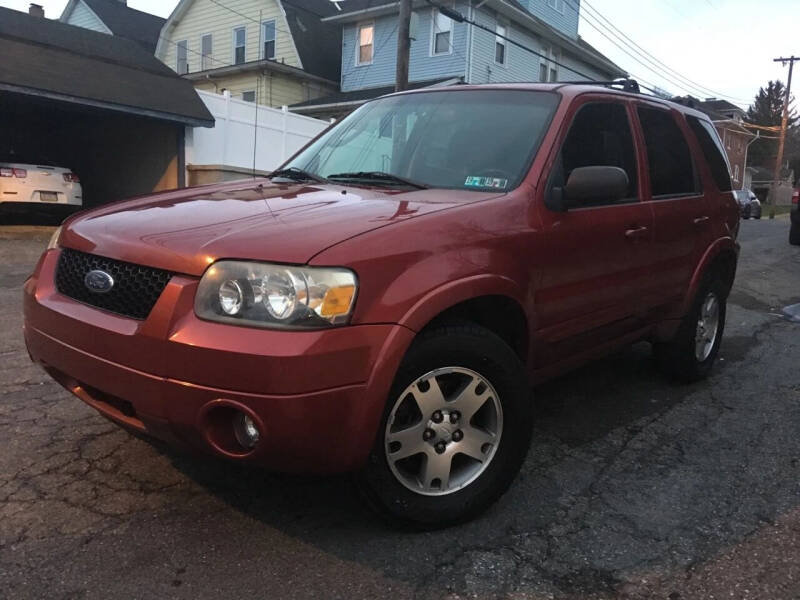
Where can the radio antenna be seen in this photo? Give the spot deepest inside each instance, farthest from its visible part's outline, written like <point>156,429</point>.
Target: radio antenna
<point>258,87</point>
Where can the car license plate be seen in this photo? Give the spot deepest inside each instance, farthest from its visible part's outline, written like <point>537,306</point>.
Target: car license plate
<point>48,196</point>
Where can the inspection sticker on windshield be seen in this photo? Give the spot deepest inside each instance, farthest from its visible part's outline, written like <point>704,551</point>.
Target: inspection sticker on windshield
<point>487,182</point>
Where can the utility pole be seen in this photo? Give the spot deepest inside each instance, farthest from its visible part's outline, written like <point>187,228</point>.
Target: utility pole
<point>784,124</point>
<point>403,46</point>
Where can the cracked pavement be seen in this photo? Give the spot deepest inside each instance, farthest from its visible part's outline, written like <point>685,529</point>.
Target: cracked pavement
<point>634,487</point>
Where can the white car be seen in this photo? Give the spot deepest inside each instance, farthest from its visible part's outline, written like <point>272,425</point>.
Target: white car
<point>53,189</point>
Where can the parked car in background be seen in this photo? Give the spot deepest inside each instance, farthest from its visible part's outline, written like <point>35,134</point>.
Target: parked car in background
<point>749,204</point>
<point>39,188</point>
<point>794,228</point>
<point>384,301</point>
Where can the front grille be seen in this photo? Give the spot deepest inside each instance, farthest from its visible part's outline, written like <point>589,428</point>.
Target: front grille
<point>136,288</point>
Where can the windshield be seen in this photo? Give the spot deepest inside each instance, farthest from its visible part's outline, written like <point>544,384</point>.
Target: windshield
<point>468,139</point>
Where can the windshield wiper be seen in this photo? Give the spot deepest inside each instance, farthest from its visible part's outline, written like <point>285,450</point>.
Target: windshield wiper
<point>377,177</point>
<point>296,174</point>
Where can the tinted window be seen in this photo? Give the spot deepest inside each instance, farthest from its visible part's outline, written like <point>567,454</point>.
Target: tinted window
<point>671,169</point>
<point>713,151</point>
<point>600,135</point>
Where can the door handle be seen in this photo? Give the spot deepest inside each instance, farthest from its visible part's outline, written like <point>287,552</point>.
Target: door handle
<point>701,220</point>
<point>636,233</point>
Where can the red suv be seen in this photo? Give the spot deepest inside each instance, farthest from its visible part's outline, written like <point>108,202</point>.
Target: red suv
<point>383,303</point>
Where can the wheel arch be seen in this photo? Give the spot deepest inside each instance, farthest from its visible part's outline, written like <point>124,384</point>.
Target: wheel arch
<point>493,302</point>
<point>721,257</point>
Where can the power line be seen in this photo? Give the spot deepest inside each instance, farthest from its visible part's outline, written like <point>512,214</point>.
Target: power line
<point>674,82</point>
<point>610,25</point>
<point>457,16</point>
<point>636,51</point>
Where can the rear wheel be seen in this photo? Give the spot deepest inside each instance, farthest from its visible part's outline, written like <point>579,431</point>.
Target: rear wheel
<point>455,431</point>
<point>692,352</point>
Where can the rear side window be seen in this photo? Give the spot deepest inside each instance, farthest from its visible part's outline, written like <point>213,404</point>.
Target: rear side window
<point>713,151</point>
<point>600,135</point>
<point>670,161</point>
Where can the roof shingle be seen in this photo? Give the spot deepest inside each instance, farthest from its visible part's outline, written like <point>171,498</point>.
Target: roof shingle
<point>52,59</point>
<point>132,24</point>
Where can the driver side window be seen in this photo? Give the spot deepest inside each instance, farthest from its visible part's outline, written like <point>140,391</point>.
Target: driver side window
<point>600,135</point>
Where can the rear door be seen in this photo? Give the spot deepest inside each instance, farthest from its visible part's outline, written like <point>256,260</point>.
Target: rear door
<point>593,259</point>
<point>682,223</point>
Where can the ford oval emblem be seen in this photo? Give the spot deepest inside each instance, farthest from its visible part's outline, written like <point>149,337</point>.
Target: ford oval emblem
<point>98,281</point>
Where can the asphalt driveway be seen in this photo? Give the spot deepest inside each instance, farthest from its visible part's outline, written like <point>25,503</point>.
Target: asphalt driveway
<point>634,487</point>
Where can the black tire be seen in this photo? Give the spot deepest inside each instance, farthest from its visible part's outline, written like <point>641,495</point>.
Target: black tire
<point>477,349</point>
<point>678,358</point>
<point>794,234</point>
<point>746,212</point>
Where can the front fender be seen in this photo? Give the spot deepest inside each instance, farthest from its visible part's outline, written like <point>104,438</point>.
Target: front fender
<point>455,292</point>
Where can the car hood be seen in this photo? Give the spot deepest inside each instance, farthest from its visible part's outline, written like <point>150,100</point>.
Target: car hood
<point>184,231</point>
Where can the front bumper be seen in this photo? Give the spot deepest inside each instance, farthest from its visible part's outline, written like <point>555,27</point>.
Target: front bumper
<point>317,395</point>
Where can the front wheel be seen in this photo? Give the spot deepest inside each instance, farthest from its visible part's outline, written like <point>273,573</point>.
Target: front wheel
<point>455,431</point>
<point>692,352</point>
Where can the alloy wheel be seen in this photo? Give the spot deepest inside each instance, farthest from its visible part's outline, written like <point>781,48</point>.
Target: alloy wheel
<point>443,431</point>
<point>707,327</point>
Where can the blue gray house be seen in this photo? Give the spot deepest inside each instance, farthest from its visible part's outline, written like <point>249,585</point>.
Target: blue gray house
<point>444,51</point>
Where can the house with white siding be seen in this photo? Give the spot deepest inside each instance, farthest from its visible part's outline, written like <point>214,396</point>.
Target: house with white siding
<point>114,17</point>
<point>271,52</point>
<point>445,51</point>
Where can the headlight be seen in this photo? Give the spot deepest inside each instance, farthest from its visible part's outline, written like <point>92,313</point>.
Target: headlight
<point>53,243</point>
<point>277,296</point>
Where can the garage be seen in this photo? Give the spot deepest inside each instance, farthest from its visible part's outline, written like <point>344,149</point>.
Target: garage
<point>96,104</point>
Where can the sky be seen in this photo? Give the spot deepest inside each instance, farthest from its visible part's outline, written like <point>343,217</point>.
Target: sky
<point>723,47</point>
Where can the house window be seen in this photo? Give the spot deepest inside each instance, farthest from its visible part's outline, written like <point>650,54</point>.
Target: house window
<point>366,33</point>
<point>500,44</point>
<point>442,33</point>
<point>239,43</point>
<point>207,48</point>
<point>557,5</point>
<point>183,59</point>
<point>249,96</point>
<point>548,69</point>
<point>268,39</point>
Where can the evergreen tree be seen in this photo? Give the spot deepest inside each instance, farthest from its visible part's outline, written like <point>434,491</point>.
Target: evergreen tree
<point>767,110</point>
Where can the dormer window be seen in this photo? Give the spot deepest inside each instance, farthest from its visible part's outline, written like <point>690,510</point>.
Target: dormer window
<point>207,50</point>
<point>239,44</point>
<point>500,44</point>
<point>268,40</point>
<point>557,5</point>
<point>366,36</point>
<point>182,65</point>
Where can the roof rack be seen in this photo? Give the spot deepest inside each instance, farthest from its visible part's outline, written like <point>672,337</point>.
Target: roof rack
<point>626,85</point>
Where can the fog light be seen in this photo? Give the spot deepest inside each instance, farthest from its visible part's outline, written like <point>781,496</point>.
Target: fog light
<point>245,430</point>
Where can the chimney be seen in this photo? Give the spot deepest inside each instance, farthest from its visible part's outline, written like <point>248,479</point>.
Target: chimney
<point>36,10</point>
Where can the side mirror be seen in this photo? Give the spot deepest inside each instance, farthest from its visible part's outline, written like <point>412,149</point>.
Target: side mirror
<point>587,185</point>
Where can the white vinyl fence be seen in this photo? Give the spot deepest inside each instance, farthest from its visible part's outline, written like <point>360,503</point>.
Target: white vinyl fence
<point>275,133</point>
